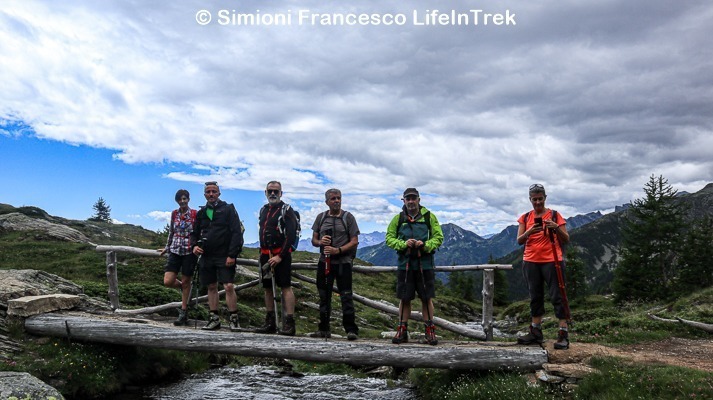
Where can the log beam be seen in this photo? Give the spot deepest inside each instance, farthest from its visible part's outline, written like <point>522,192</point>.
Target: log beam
<point>471,356</point>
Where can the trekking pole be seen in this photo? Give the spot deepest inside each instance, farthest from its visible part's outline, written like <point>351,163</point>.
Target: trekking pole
<point>401,305</point>
<point>327,259</point>
<point>560,279</point>
<point>423,284</point>
<point>195,281</point>
<point>274,294</point>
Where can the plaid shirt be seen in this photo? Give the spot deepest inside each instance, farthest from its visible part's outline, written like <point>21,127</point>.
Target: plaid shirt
<point>179,238</point>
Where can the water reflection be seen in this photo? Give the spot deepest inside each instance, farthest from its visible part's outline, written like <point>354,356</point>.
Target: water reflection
<point>262,382</point>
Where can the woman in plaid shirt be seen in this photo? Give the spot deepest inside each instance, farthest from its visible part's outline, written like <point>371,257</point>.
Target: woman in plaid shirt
<point>180,256</point>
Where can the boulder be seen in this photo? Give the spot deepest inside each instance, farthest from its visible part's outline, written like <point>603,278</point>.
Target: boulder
<point>18,283</point>
<point>33,305</point>
<point>21,222</point>
<point>21,385</point>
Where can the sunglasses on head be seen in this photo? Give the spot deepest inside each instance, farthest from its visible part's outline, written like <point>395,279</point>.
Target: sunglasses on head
<point>211,183</point>
<point>536,187</point>
<point>272,191</point>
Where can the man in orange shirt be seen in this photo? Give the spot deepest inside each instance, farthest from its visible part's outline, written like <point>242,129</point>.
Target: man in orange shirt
<point>543,231</point>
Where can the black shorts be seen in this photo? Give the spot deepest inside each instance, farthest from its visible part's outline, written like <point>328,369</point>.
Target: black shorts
<point>412,282</point>
<point>214,270</point>
<point>283,272</point>
<point>184,264</point>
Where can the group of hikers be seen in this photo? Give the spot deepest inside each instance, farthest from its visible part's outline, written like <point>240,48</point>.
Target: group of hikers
<point>211,238</point>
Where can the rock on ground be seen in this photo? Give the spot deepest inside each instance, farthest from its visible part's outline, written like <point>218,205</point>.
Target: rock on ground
<point>21,385</point>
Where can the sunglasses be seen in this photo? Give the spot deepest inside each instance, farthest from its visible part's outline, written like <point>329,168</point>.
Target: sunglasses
<point>211,183</point>
<point>536,186</point>
<point>335,198</point>
<point>410,197</point>
<point>272,191</point>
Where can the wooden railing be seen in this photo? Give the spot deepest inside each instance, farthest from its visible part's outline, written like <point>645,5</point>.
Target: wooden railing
<point>488,287</point>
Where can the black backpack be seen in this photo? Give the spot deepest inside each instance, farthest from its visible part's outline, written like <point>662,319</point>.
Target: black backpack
<point>281,223</point>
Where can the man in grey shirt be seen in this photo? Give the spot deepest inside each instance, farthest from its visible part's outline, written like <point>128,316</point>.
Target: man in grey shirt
<point>336,233</point>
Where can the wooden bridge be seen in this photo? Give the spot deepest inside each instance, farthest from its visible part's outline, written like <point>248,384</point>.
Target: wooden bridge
<point>123,328</point>
<point>134,332</point>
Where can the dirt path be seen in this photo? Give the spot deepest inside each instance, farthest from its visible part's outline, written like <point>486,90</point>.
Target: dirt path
<point>697,354</point>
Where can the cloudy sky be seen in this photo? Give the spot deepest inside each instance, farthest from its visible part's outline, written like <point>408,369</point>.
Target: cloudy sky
<point>132,100</point>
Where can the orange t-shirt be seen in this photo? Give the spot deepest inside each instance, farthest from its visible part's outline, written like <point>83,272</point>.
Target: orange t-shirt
<point>538,247</point>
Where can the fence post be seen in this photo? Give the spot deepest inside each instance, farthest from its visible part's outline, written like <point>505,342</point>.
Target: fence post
<point>113,279</point>
<point>488,295</point>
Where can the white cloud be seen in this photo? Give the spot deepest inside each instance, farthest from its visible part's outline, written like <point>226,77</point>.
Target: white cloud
<point>589,98</point>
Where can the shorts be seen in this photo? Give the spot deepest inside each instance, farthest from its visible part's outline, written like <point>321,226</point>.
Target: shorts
<point>416,281</point>
<point>213,270</point>
<point>184,264</point>
<point>283,272</point>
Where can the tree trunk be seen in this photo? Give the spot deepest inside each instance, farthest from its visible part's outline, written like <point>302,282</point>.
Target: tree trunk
<point>369,353</point>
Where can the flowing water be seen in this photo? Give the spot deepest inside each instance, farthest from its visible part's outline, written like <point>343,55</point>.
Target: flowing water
<point>262,382</point>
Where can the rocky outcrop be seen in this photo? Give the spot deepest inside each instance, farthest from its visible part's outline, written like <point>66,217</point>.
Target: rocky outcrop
<point>21,385</point>
<point>33,305</point>
<point>28,282</point>
<point>21,222</point>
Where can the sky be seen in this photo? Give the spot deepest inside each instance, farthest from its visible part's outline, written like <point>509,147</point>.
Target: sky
<point>132,100</point>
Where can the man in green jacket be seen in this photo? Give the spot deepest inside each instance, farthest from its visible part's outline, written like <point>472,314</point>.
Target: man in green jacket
<point>415,234</point>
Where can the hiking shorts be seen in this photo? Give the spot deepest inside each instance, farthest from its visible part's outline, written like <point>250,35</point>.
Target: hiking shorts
<point>283,272</point>
<point>537,275</point>
<point>213,270</point>
<point>415,281</point>
<point>182,264</point>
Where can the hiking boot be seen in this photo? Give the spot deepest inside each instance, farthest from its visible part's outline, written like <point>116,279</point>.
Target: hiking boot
<point>182,318</point>
<point>288,328</point>
<point>535,336</point>
<point>213,323</point>
<point>431,334</point>
<point>234,323</point>
<point>401,335</point>
<point>269,326</point>
<point>562,342</point>
<point>321,334</point>
<point>352,336</point>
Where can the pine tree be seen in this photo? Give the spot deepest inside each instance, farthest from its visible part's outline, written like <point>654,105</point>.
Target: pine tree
<point>102,211</point>
<point>651,243</point>
<point>697,257</point>
<point>575,276</point>
<point>501,285</point>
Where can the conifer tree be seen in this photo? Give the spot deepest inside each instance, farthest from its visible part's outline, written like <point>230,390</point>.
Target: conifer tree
<point>651,241</point>
<point>696,270</point>
<point>102,211</point>
<point>575,276</point>
<point>501,285</point>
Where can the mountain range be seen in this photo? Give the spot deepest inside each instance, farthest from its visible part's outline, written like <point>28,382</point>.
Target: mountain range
<point>597,238</point>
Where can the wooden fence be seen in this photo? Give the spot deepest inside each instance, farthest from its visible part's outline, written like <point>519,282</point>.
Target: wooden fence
<point>488,287</point>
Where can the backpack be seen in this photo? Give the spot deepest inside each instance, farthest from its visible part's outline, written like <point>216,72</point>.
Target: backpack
<point>554,218</point>
<point>281,223</point>
<point>426,219</point>
<point>352,252</point>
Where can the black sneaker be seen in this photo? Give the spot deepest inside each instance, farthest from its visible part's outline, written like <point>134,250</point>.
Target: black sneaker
<point>269,326</point>
<point>213,323</point>
<point>352,336</point>
<point>535,336</point>
<point>234,323</point>
<point>431,334</point>
<point>288,328</point>
<point>562,342</point>
<point>401,335</point>
<point>321,334</point>
<point>182,318</point>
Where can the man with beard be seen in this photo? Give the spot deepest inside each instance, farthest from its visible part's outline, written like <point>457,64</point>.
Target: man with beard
<point>278,228</point>
<point>415,234</point>
<point>218,237</point>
